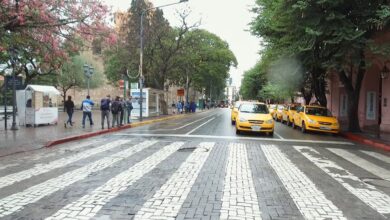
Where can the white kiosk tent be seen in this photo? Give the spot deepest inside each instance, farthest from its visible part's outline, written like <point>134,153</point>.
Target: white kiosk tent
<point>37,105</point>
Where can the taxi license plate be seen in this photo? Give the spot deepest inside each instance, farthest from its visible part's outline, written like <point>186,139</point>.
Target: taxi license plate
<point>256,128</point>
<point>325,128</point>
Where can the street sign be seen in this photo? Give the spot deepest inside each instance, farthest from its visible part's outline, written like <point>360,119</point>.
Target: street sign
<point>18,82</point>
<point>180,92</point>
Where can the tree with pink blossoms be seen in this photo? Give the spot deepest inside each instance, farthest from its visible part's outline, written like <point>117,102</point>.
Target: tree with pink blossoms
<point>45,33</point>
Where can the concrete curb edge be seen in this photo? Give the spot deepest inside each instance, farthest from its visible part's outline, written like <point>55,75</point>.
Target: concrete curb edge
<point>111,130</point>
<point>365,141</point>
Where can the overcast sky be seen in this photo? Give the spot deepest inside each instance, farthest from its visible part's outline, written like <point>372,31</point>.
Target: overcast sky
<point>226,18</point>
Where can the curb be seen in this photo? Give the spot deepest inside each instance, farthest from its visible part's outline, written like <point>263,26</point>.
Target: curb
<point>111,130</point>
<point>366,141</point>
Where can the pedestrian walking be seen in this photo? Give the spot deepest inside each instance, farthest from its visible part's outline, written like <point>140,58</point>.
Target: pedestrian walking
<point>115,109</point>
<point>179,108</point>
<point>129,108</point>
<point>86,106</point>
<point>122,111</point>
<point>105,110</point>
<point>69,108</point>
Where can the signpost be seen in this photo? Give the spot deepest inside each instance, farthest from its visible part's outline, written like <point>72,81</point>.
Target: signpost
<point>180,92</point>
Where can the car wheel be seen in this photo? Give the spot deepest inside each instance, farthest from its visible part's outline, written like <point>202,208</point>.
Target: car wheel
<point>238,131</point>
<point>293,125</point>
<point>271,134</point>
<point>303,128</point>
<point>288,122</point>
<point>233,122</point>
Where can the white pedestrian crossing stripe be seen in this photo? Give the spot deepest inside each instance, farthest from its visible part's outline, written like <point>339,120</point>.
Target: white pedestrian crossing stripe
<point>168,200</point>
<point>368,194</point>
<point>239,199</point>
<point>378,156</point>
<point>17,201</point>
<point>310,201</point>
<point>362,163</point>
<point>44,168</point>
<point>114,186</point>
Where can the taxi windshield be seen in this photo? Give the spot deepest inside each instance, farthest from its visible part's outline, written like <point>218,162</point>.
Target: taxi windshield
<point>294,108</point>
<point>318,112</point>
<point>254,108</point>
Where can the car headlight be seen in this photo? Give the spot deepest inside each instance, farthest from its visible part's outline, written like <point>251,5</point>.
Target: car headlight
<point>311,121</point>
<point>269,121</point>
<point>243,120</point>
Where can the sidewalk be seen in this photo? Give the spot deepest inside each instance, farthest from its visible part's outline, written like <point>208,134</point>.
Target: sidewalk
<point>370,138</point>
<point>30,138</point>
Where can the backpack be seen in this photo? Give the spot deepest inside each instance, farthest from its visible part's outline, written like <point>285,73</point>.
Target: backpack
<point>129,105</point>
<point>105,104</point>
<point>116,107</point>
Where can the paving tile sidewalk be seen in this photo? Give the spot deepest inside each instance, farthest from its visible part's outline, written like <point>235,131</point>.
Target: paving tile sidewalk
<point>30,138</point>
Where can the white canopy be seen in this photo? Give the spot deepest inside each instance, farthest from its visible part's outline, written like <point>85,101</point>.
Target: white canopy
<point>45,89</point>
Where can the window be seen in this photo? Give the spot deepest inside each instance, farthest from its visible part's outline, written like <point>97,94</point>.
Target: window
<point>254,108</point>
<point>318,112</point>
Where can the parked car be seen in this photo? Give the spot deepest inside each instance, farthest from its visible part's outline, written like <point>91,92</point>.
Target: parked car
<point>278,113</point>
<point>254,117</point>
<point>288,113</point>
<point>272,109</point>
<point>235,112</point>
<point>315,118</point>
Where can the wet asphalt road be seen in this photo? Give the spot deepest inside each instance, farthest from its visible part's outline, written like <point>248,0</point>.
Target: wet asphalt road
<point>196,167</point>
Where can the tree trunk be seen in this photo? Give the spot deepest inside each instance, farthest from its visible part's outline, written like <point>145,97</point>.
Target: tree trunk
<point>319,85</point>
<point>353,91</point>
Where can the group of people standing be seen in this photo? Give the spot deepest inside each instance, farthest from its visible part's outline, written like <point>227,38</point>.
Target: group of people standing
<point>185,107</point>
<point>116,107</point>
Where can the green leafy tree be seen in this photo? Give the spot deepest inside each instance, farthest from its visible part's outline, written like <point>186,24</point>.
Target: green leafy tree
<point>327,36</point>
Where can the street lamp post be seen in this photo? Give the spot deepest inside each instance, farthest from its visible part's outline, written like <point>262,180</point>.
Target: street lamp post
<point>13,55</point>
<point>141,54</point>
<point>88,71</point>
<point>384,74</point>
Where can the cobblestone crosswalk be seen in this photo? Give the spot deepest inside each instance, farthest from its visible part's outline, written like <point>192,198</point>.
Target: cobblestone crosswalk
<point>132,178</point>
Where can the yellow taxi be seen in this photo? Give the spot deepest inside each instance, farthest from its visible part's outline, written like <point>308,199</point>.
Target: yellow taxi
<point>235,112</point>
<point>315,118</point>
<point>288,113</point>
<point>254,117</point>
<point>272,109</point>
<point>278,112</point>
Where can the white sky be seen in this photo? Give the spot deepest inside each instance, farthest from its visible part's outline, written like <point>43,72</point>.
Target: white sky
<point>228,19</point>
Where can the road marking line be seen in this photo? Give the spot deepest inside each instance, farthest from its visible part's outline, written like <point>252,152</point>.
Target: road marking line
<point>365,192</point>
<point>311,202</point>
<point>175,129</point>
<point>238,187</point>
<point>378,156</point>
<point>362,163</point>
<point>18,201</point>
<point>44,168</point>
<point>112,188</point>
<point>188,133</point>
<point>168,200</point>
<point>279,136</point>
<point>235,138</point>
<point>8,166</point>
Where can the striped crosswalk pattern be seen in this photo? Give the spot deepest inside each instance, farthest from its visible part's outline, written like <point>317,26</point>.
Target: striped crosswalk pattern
<point>366,193</point>
<point>239,188</point>
<point>17,201</point>
<point>378,156</point>
<point>370,167</point>
<point>43,168</point>
<point>239,192</point>
<point>167,202</point>
<point>310,201</point>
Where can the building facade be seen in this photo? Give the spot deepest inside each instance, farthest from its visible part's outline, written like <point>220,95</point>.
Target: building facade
<point>369,104</point>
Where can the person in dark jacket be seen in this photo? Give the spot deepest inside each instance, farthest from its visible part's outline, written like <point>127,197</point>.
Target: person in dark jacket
<point>115,110</point>
<point>105,110</point>
<point>69,108</point>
